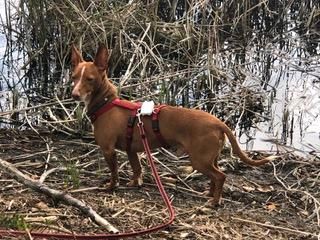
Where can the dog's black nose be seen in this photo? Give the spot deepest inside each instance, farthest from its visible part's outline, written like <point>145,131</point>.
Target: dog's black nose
<point>75,97</point>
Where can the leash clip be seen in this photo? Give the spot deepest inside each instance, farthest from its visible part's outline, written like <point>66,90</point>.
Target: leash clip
<point>139,117</point>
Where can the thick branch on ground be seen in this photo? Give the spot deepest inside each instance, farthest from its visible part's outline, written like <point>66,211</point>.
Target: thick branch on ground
<point>55,194</point>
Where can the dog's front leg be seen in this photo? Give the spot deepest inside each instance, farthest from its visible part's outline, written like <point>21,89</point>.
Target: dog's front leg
<point>136,180</point>
<point>111,159</point>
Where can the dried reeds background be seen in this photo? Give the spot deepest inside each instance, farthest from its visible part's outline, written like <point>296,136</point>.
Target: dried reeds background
<point>214,55</point>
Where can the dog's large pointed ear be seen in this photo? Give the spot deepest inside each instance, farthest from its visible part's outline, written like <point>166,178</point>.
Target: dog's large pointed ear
<point>76,57</point>
<point>101,58</point>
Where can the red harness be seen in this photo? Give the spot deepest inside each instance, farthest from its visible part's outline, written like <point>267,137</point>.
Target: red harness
<point>134,107</point>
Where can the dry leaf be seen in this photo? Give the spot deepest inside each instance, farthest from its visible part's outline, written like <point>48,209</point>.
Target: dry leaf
<point>184,235</point>
<point>271,206</point>
<point>248,188</point>
<point>305,213</point>
<point>42,206</point>
<point>169,180</point>
<point>205,210</point>
<point>186,169</point>
<point>265,188</point>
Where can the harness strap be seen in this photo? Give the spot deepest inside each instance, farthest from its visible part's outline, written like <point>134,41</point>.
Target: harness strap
<point>155,124</point>
<point>130,125</point>
<point>104,107</point>
<point>127,104</point>
<point>93,115</point>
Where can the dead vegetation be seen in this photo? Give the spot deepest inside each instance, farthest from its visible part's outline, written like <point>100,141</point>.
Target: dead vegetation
<point>214,55</point>
<point>278,201</point>
<point>218,56</point>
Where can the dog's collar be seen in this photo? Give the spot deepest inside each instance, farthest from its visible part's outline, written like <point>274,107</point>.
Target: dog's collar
<point>101,108</point>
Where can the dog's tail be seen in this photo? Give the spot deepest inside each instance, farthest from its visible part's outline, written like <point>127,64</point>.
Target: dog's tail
<point>237,150</point>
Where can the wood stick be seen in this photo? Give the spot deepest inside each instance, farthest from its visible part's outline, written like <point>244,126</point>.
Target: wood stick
<point>55,194</point>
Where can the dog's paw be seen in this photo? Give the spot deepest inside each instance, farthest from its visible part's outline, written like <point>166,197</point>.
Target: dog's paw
<point>111,186</point>
<point>210,205</point>
<point>214,202</point>
<point>135,183</point>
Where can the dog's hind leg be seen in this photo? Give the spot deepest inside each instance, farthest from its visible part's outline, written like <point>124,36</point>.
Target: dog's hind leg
<point>217,154</point>
<point>217,179</point>
<point>203,161</point>
<point>215,166</point>
<point>136,180</point>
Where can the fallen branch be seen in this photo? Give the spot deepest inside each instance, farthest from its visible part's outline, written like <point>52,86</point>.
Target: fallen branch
<point>55,194</point>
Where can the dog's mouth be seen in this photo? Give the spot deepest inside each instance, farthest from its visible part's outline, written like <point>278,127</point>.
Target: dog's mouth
<point>82,98</point>
<point>86,98</point>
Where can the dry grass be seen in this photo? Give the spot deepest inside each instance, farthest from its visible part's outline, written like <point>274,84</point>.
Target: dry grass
<point>278,201</point>
<point>190,53</point>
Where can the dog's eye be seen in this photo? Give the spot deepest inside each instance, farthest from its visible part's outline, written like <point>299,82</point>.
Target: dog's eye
<point>90,79</point>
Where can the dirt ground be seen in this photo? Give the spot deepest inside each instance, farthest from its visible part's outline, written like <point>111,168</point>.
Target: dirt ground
<point>277,201</point>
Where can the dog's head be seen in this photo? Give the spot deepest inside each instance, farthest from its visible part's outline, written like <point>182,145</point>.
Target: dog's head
<point>88,77</point>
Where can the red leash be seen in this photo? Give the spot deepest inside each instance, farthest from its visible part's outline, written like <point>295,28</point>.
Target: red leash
<point>4,232</point>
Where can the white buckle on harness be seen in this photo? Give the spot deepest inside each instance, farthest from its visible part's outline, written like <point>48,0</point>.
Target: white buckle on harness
<point>147,108</point>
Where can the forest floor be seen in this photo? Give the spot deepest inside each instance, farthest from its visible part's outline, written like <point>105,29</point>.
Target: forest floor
<point>279,200</point>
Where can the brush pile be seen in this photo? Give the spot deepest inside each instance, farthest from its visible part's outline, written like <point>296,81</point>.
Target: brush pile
<point>277,201</point>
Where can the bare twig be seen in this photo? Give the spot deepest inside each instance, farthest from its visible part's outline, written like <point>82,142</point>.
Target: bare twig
<point>56,194</point>
<point>314,199</point>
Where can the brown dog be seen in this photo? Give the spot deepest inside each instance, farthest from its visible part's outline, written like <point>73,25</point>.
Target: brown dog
<point>199,133</point>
